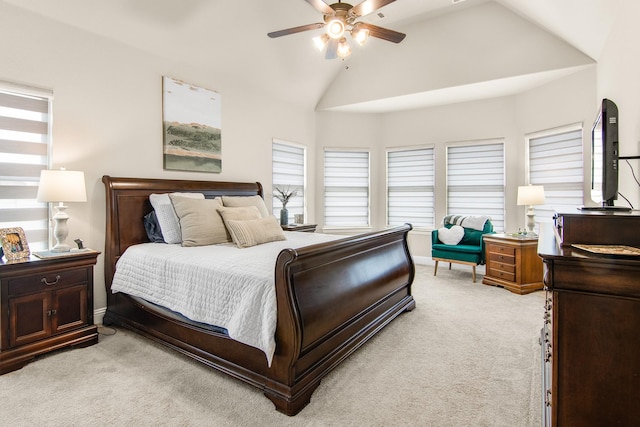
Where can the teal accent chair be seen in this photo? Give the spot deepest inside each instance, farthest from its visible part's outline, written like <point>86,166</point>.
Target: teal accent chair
<point>470,250</point>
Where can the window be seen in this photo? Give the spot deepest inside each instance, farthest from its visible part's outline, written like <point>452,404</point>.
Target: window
<point>475,181</point>
<point>288,165</point>
<point>346,188</point>
<point>410,187</point>
<point>24,152</point>
<point>555,162</point>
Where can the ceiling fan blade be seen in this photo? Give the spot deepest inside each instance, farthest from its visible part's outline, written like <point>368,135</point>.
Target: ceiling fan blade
<point>321,6</point>
<point>294,30</point>
<point>332,49</point>
<point>368,6</point>
<point>383,33</point>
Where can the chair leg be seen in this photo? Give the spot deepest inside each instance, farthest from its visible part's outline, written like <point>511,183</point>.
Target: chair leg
<point>474,273</point>
<point>449,266</point>
<point>435,270</point>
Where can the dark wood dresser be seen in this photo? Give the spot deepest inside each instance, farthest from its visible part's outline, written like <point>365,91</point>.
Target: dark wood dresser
<point>45,304</point>
<point>591,335</point>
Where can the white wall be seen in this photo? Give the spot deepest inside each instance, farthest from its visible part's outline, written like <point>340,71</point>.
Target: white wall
<point>484,43</point>
<point>618,80</point>
<point>564,102</point>
<point>107,115</point>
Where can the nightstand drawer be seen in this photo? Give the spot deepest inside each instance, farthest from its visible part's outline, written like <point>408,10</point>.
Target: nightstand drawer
<point>502,258</point>
<point>501,266</point>
<point>504,275</point>
<point>504,250</point>
<point>47,281</point>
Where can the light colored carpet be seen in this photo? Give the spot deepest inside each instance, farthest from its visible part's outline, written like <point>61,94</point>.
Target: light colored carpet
<point>468,355</point>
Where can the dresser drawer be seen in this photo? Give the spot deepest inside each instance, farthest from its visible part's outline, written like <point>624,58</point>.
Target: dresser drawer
<point>502,258</point>
<point>47,281</point>
<point>499,274</point>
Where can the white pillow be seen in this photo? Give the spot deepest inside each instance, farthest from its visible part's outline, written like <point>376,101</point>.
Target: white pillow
<point>166,215</point>
<point>451,236</point>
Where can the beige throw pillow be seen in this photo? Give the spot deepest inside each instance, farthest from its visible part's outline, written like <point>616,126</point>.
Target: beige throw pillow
<point>255,231</point>
<point>167,218</point>
<point>238,214</point>
<point>200,223</point>
<point>239,201</point>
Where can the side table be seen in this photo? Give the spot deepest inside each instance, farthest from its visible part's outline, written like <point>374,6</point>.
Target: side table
<point>512,262</point>
<point>45,304</point>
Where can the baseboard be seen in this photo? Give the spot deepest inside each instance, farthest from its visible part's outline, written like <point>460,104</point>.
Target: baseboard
<point>422,260</point>
<point>98,315</point>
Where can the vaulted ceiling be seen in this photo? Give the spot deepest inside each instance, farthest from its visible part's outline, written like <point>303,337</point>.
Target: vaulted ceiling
<point>443,59</point>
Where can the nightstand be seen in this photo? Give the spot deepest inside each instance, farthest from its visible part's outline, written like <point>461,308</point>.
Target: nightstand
<point>307,228</point>
<point>45,305</point>
<point>513,263</point>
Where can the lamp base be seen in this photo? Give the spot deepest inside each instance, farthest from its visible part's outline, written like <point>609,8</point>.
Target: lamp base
<point>60,229</point>
<point>61,247</point>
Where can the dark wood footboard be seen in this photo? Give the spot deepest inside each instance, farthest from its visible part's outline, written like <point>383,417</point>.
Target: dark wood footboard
<point>331,297</point>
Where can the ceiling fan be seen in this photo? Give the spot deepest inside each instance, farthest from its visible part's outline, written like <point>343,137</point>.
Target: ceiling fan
<point>340,18</point>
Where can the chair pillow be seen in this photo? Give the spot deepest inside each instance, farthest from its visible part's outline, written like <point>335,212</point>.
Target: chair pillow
<point>451,236</point>
<point>240,201</point>
<point>200,223</point>
<point>255,231</point>
<point>166,215</point>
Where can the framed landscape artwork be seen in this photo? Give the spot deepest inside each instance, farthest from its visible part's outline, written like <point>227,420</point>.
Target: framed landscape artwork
<point>192,127</point>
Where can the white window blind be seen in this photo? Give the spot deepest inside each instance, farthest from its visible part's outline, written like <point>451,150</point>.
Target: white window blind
<point>555,162</point>
<point>410,187</point>
<point>288,165</point>
<point>346,188</point>
<point>475,181</point>
<point>24,152</point>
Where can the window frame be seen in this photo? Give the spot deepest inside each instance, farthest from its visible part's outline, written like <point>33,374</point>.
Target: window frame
<point>276,205</point>
<point>38,228</point>
<point>543,212</point>
<point>347,225</point>
<point>498,220</point>
<point>432,176</point>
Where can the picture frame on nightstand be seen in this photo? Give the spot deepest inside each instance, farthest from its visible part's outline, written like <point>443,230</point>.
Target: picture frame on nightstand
<point>14,243</point>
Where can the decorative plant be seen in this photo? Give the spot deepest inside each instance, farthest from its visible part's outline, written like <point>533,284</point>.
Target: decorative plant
<point>284,194</point>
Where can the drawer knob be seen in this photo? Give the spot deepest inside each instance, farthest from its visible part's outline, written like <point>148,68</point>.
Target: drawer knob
<point>44,280</point>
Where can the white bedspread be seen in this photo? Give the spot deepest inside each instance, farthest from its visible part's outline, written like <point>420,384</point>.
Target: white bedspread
<point>219,285</point>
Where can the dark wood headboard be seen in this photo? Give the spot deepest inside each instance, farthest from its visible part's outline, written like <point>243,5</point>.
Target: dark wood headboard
<point>128,202</point>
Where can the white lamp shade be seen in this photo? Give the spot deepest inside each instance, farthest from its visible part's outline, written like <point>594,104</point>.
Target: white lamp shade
<point>531,195</point>
<point>61,186</point>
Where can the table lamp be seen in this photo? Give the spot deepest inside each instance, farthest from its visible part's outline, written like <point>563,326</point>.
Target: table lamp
<point>59,186</point>
<point>530,195</point>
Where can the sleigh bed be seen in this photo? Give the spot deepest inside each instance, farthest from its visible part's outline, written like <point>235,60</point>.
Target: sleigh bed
<point>331,297</point>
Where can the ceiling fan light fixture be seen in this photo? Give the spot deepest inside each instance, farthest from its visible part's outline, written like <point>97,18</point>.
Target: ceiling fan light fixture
<point>344,49</point>
<point>335,28</point>
<point>360,35</point>
<point>321,41</point>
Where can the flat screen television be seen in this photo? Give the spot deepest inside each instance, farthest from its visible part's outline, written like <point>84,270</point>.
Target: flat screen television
<point>604,158</point>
